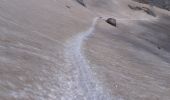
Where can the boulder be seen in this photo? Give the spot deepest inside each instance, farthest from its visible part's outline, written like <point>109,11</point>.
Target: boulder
<point>111,21</point>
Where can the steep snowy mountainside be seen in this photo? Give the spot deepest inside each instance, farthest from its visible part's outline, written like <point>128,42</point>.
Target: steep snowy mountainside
<point>66,50</point>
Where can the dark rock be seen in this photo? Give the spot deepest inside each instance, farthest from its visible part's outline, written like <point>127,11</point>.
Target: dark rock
<point>111,21</point>
<point>148,11</point>
<point>164,4</point>
<point>159,47</point>
<point>81,2</point>
<point>145,9</point>
<point>134,7</point>
<point>142,1</point>
<point>68,6</point>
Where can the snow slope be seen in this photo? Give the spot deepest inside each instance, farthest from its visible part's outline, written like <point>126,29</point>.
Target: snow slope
<point>61,50</point>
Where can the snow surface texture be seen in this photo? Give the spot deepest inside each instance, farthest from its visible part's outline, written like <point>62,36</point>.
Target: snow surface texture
<point>60,50</point>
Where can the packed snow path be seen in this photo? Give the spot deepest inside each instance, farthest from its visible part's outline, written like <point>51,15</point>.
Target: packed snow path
<point>87,85</point>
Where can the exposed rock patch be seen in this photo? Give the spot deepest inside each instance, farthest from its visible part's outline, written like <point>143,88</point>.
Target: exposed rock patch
<point>68,6</point>
<point>111,21</point>
<point>145,9</point>
<point>81,2</point>
<point>164,4</point>
<point>134,7</point>
<point>148,11</point>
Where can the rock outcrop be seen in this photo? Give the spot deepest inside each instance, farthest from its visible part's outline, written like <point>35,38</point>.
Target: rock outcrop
<point>145,9</point>
<point>165,4</point>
